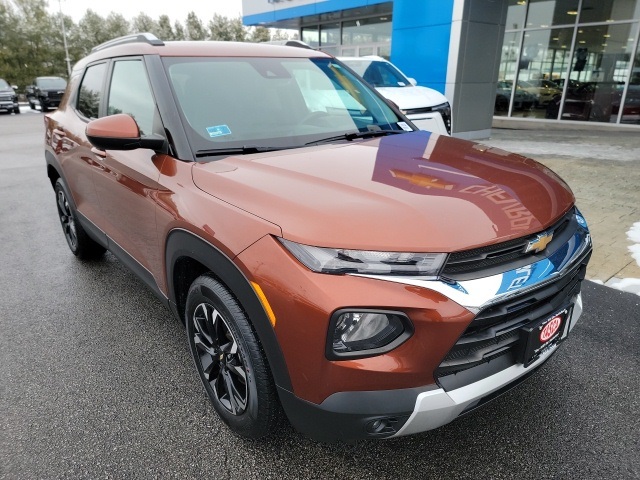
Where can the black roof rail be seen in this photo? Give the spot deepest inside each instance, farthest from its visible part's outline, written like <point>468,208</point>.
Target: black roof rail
<point>145,37</point>
<point>299,44</point>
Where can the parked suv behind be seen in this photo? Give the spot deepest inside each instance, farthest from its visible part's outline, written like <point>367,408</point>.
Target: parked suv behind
<point>427,108</point>
<point>331,264</point>
<point>46,92</point>
<point>8,98</point>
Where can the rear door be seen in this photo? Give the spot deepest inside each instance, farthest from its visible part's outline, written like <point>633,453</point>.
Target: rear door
<point>70,142</point>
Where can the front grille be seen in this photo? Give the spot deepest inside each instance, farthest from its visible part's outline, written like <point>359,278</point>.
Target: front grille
<point>492,341</point>
<point>55,95</point>
<point>414,111</point>
<point>5,98</point>
<point>504,256</point>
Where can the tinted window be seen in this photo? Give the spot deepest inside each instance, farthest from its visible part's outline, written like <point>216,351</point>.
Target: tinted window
<point>91,91</point>
<point>130,93</point>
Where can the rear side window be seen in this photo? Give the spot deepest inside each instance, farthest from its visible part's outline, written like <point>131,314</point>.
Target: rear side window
<point>91,91</point>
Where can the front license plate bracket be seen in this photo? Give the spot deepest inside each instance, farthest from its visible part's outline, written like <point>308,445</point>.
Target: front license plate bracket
<point>540,335</point>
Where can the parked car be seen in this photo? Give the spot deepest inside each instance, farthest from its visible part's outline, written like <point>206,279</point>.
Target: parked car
<point>588,101</point>
<point>331,264</point>
<point>8,97</point>
<point>523,100</point>
<point>46,92</point>
<point>543,91</point>
<point>631,109</point>
<point>428,109</point>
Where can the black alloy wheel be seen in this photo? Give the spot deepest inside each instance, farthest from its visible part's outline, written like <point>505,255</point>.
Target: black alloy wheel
<point>80,244</point>
<point>66,219</point>
<point>220,359</point>
<point>230,360</point>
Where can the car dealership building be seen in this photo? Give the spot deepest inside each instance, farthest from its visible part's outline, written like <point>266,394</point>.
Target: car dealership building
<point>568,61</point>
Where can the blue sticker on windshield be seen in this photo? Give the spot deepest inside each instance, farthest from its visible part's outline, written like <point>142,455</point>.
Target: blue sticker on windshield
<point>218,131</point>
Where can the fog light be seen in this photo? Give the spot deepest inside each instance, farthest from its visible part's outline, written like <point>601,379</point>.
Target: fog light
<point>365,333</point>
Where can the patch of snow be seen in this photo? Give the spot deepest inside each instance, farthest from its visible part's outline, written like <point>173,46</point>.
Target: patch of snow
<point>635,252</point>
<point>599,282</point>
<point>631,285</point>
<point>634,233</point>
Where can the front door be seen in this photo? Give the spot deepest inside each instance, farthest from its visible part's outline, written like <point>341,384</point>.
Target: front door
<point>126,183</point>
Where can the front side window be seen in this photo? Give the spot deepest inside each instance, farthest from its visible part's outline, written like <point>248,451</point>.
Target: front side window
<point>272,102</point>
<point>130,93</point>
<point>91,91</point>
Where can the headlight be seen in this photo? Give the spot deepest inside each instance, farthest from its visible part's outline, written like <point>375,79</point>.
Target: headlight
<point>337,261</point>
<point>445,112</point>
<point>44,94</point>
<point>364,333</point>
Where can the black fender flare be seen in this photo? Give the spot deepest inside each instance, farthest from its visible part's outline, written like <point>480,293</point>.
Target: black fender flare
<point>182,243</point>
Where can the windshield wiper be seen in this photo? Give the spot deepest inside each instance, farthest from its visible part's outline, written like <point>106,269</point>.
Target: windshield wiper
<point>244,150</point>
<point>353,135</point>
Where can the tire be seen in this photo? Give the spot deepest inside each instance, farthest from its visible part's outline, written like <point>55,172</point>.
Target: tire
<point>80,244</point>
<point>230,361</point>
<point>32,106</point>
<point>16,110</point>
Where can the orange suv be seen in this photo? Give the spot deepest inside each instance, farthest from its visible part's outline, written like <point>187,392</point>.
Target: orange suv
<point>332,264</point>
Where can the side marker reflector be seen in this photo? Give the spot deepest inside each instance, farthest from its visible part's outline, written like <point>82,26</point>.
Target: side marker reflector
<point>265,303</point>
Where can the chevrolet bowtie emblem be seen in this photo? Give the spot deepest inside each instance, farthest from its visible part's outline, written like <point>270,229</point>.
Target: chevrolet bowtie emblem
<point>539,243</point>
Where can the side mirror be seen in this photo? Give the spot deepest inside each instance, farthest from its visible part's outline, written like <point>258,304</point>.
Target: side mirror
<point>121,132</point>
<point>412,81</point>
<point>15,87</point>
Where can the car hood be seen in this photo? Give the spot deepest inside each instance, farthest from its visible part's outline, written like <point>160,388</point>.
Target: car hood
<point>6,91</point>
<point>417,191</point>
<point>412,97</point>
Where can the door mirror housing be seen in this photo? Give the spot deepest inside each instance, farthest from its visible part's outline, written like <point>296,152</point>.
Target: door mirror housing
<point>412,81</point>
<point>121,132</point>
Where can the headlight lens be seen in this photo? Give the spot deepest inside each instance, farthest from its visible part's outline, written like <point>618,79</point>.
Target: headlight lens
<point>445,111</point>
<point>365,333</point>
<point>337,260</point>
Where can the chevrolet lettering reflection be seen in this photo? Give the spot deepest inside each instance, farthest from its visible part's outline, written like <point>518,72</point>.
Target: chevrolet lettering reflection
<point>424,166</point>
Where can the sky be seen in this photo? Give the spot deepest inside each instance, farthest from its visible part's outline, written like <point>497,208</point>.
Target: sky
<point>177,10</point>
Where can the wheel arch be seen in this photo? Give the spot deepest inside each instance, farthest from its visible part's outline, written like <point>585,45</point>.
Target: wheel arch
<point>53,168</point>
<point>188,256</point>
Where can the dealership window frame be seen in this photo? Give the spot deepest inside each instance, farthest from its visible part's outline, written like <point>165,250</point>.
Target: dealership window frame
<point>316,23</point>
<point>522,30</point>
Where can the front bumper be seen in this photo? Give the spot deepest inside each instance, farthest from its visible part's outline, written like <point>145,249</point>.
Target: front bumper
<point>439,407</point>
<point>8,105</point>
<point>413,387</point>
<point>431,122</point>
<point>346,416</point>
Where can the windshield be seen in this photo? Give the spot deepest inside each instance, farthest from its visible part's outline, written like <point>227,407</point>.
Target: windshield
<point>272,102</point>
<point>52,83</point>
<point>3,84</point>
<point>378,74</point>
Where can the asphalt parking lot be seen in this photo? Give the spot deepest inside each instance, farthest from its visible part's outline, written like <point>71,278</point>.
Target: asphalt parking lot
<point>97,381</point>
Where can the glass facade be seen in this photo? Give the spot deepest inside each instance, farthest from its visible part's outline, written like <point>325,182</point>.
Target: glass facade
<point>571,60</point>
<point>355,32</point>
